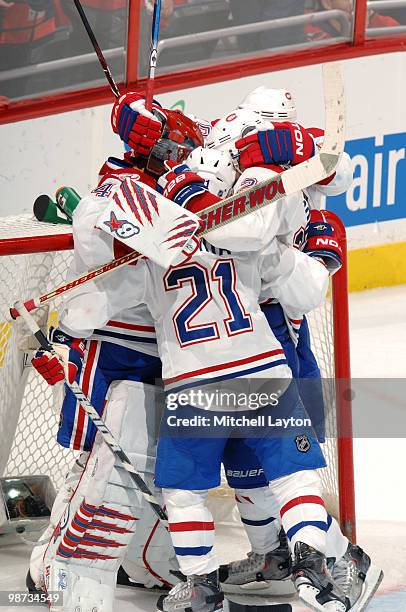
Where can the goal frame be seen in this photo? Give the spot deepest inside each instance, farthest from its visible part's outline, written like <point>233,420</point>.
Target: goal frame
<point>342,366</point>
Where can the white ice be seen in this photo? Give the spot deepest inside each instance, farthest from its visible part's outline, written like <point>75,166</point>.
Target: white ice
<point>378,341</point>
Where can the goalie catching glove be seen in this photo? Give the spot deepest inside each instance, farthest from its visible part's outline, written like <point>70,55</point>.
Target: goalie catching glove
<point>286,143</point>
<point>66,363</point>
<point>136,125</point>
<point>321,242</point>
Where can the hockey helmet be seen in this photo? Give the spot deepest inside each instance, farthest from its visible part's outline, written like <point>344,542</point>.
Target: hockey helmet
<point>272,104</point>
<point>215,167</point>
<point>180,135</point>
<point>232,127</point>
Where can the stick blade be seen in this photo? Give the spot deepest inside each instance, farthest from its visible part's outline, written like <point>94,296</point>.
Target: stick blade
<point>324,164</point>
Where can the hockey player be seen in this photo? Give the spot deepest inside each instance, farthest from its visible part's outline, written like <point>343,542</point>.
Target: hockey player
<point>262,152</point>
<point>125,349</point>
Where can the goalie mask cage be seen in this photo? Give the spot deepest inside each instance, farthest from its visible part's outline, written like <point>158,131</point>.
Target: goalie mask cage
<point>34,258</point>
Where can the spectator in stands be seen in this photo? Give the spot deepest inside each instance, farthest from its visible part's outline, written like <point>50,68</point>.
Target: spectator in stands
<point>398,13</point>
<point>108,19</point>
<point>244,12</point>
<point>333,27</point>
<point>179,18</point>
<point>25,29</point>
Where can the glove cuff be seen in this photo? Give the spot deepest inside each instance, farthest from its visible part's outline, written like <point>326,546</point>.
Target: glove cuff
<point>186,193</point>
<point>57,335</point>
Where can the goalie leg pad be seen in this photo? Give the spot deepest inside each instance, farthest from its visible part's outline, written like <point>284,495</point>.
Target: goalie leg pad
<point>150,557</point>
<point>90,540</point>
<point>61,500</point>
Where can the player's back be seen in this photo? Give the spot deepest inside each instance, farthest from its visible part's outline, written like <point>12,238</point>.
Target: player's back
<point>208,323</point>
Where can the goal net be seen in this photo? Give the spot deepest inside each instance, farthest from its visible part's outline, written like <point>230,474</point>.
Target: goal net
<point>34,258</point>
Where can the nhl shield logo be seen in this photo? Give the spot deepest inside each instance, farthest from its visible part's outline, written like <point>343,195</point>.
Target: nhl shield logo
<point>302,443</point>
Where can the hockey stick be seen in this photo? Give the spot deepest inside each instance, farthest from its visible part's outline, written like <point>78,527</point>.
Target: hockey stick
<point>96,47</point>
<point>98,422</point>
<point>234,207</point>
<point>156,20</point>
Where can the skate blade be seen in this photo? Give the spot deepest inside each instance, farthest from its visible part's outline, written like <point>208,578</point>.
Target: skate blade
<point>266,588</point>
<point>307,594</point>
<point>373,579</point>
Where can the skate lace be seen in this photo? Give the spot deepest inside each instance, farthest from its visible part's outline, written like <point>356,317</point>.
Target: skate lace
<point>344,575</point>
<point>181,591</point>
<point>254,561</point>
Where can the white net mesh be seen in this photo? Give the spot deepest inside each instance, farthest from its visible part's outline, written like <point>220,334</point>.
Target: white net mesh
<point>321,329</point>
<point>29,408</point>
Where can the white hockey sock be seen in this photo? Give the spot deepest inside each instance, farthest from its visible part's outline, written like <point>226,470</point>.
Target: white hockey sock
<point>337,543</point>
<point>260,516</point>
<point>192,530</point>
<point>303,515</point>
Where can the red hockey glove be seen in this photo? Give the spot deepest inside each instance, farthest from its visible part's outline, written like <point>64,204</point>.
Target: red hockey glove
<point>321,242</point>
<point>287,143</point>
<point>66,364</point>
<point>135,125</point>
<point>180,184</point>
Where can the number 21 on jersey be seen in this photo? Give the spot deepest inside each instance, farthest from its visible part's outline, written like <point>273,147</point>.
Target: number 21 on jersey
<point>222,275</point>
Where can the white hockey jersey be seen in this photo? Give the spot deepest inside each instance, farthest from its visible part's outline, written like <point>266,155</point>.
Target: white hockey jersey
<point>131,327</point>
<point>208,322</point>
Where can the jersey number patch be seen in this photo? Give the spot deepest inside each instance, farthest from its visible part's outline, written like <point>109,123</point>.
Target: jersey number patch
<point>200,280</point>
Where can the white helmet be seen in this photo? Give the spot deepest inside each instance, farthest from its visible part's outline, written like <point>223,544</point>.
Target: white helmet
<point>232,127</point>
<point>216,167</point>
<point>273,104</point>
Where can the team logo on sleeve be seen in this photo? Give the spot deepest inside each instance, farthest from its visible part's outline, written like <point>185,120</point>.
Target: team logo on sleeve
<point>123,228</point>
<point>302,443</point>
<point>248,182</point>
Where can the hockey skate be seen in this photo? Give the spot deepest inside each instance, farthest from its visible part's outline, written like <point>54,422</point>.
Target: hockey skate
<point>314,584</point>
<point>268,574</point>
<point>197,594</point>
<point>356,577</point>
